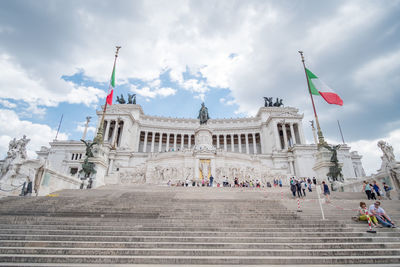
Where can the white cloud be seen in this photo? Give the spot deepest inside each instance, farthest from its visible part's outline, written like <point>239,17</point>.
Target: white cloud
<point>81,128</point>
<point>348,20</point>
<point>7,104</point>
<point>371,152</point>
<point>12,126</point>
<point>195,85</point>
<point>383,70</point>
<point>200,96</point>
<point>20,84</point>
<point>85,95</point>
<point>147,92</point>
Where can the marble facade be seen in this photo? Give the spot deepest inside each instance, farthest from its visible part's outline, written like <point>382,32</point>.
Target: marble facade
<point>139,148</point>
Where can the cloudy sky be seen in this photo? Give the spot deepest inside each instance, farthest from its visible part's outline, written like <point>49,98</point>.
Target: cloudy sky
<point>56,58</point>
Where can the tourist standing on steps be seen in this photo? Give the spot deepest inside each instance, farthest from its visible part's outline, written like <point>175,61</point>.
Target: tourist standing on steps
<point>298,185</point>
<point>367,189</point>
<point>211,180</point>
<point>314,181</point>
<point>377,190</point>
<point>280,182</point>
<point>387,190</point>
<point>325,188</point>
<point>304,187</point>
<point>293,188</point>
<point>373,196</point>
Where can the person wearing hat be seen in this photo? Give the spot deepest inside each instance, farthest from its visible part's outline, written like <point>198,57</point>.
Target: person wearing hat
<point>381,215</point>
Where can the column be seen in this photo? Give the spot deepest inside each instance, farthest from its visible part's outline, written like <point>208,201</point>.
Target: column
<point>277,137</point>
<point>301,134</point>
<point>174,141</point>
<point>145,141</point>
<point>160,142</point>
<point>294,168</point>
<point>167,146</point>
<point>254,144</point>
<point>291,167</point>
<point>217,140</point>
<point>109,170</point>
<point>225,148</point>
<point>284,135</point>
<point>247,144</point>
<point>114,136</point>
<point>182,141</point>
<point>153,138</point>
<point>105,137</point>
<point>190,141</point>
<point>292,133</point>
<point>240,142</point>
<point>232,143</point>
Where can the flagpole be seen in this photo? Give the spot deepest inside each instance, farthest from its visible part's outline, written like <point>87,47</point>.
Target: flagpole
<point>340,129</point>
<point>59,125</point>
<point>99,136</point>
<point>321,140</point>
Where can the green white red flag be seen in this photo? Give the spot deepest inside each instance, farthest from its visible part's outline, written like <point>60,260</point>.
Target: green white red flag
<point>318,87</point>
<point>111,88</point>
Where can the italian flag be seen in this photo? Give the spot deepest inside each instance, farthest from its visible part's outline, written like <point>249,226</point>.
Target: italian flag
<point>111,89</point>
<point>317,87</point>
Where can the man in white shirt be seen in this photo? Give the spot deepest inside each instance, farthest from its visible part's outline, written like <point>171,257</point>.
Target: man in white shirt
<point>381,215</point>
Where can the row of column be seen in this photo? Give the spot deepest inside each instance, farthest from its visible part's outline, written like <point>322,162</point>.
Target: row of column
<point>175,145</point>
<point>169,146</point>
<point>113,131</point>
<point>292,139</point>
<point>231,146</point>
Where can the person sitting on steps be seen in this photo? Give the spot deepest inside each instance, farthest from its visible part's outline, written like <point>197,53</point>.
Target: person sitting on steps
<point>362,216</point>
<point>381,215</point>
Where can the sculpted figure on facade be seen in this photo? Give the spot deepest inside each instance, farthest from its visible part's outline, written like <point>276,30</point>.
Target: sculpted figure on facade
<point>132,99</point>
<point>268,102</point>
<point>204,168</point>
<point>121,100</point>
<point>16,155</point>
<point>388,155</point>
<point>203,114</point>
<point>389,163</point>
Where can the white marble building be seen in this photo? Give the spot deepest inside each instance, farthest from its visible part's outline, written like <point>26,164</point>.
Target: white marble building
<point>139,148</point>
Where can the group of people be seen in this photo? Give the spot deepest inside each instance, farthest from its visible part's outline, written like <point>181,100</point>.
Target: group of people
<point>374,191</point>
<point>300,186</point>
<point>375,213</point>
<point>225,183</point>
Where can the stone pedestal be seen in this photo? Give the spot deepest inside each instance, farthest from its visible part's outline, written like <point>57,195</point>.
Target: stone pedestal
<point>321,168</point>
<point>204,152</point>
<point>100,160</point>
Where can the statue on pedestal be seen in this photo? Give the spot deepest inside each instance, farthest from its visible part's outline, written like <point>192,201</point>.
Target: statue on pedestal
<point>268,101</point>
<point>88,167</point>
<point>132,99</point>
<point>335,171</point>
<point>203,114</point>
<point>121,100</point>
<point>389,163</point>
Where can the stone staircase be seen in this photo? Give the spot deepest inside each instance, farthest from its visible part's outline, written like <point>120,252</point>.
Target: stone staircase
<point>189,226</point>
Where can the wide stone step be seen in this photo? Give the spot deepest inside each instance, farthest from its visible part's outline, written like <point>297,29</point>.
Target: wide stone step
<point>188,245</point>
<point>207,239</point>
<point>277,233</point>
<point>228,260</point>
<point>200,252</point>
<point>185,229</point>
<point>162,222</point>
